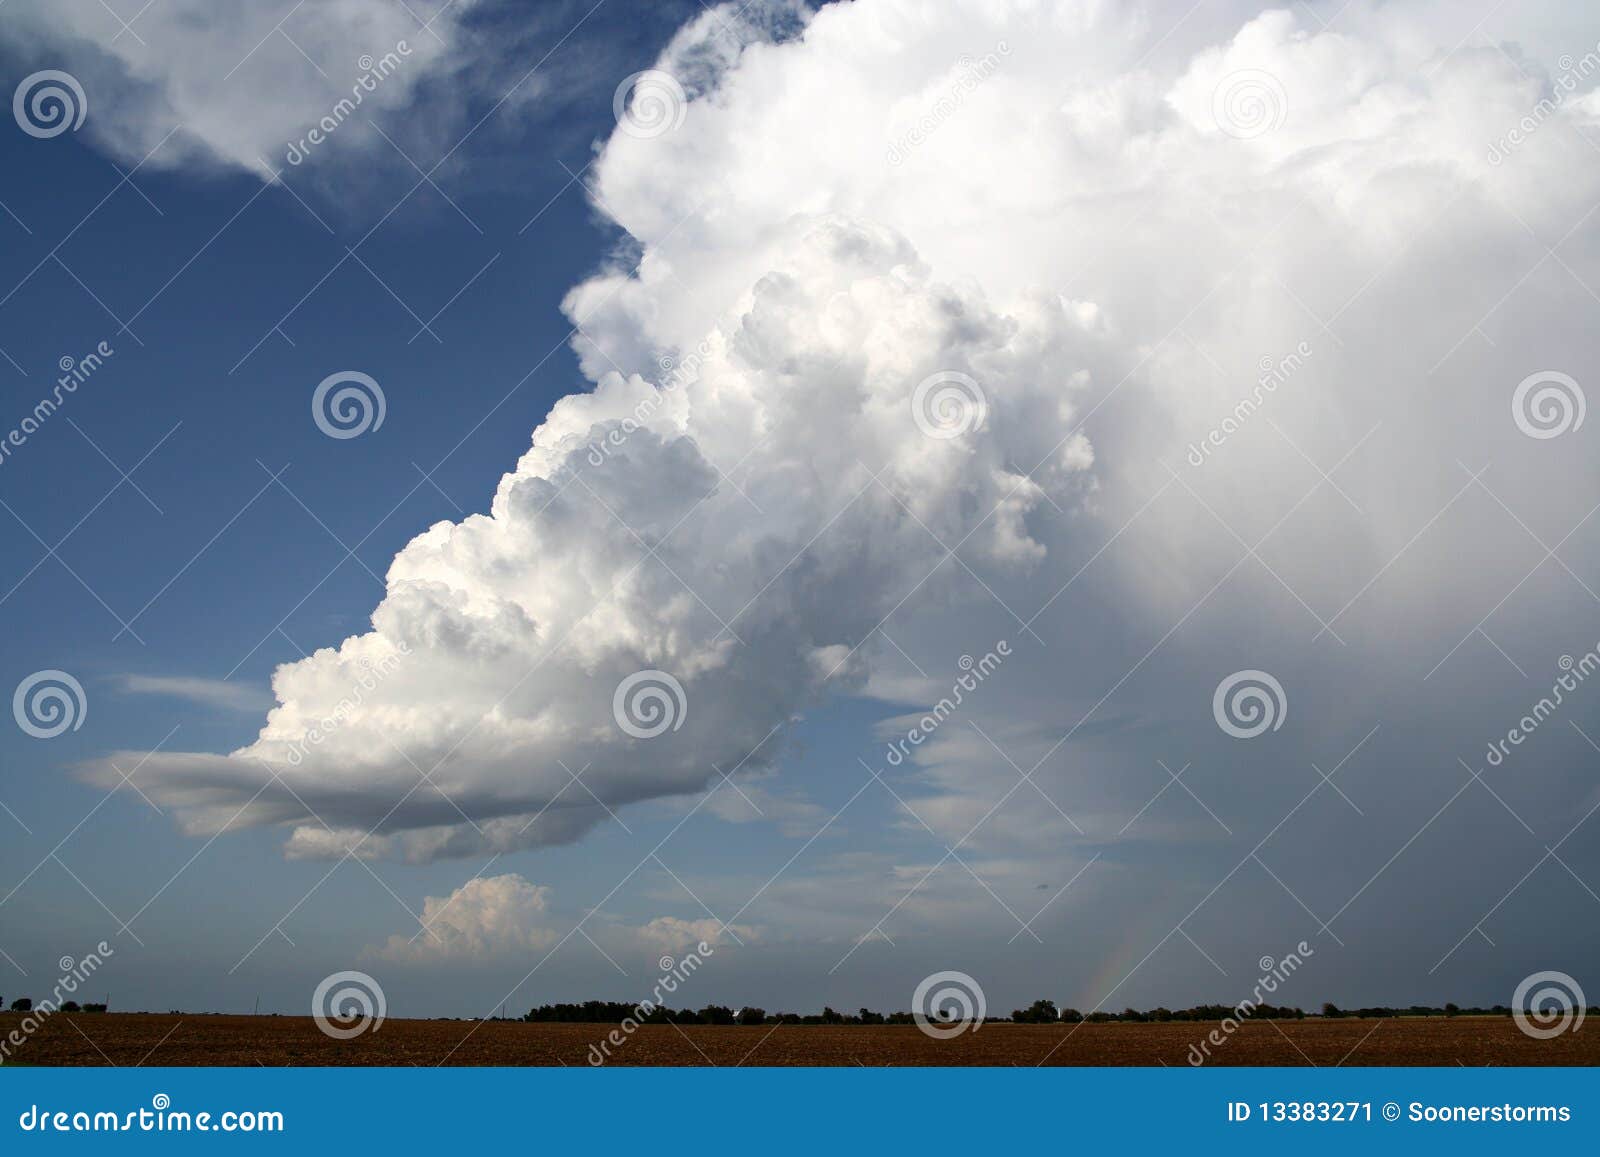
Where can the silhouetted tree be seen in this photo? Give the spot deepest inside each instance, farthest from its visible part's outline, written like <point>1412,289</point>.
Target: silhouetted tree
<point>1039,1012</point>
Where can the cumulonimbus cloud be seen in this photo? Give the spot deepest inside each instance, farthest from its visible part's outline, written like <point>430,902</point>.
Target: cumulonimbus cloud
<point>1016,219</point>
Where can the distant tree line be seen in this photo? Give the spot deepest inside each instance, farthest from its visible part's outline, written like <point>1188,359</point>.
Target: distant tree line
<point>1045,1012</point>
<point>615,1012</point>
<point>1332,1011</point>
<point>1039,1012</point>
<point>25,1004</point>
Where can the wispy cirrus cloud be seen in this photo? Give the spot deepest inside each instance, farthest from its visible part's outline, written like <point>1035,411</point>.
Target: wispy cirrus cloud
<point>216,693</point>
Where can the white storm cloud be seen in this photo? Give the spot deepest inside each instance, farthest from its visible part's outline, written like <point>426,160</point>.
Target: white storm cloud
<point>618,547</point>
<point>1091,251</point>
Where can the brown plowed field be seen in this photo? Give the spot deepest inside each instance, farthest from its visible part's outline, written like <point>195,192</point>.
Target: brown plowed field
<point>131,1038</point>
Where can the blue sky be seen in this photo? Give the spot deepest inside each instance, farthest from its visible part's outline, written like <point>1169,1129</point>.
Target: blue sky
<point>200,273</point>
<point>1112,270</point>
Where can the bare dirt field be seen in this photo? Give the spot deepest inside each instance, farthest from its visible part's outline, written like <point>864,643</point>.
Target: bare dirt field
<point>135,1038</point>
